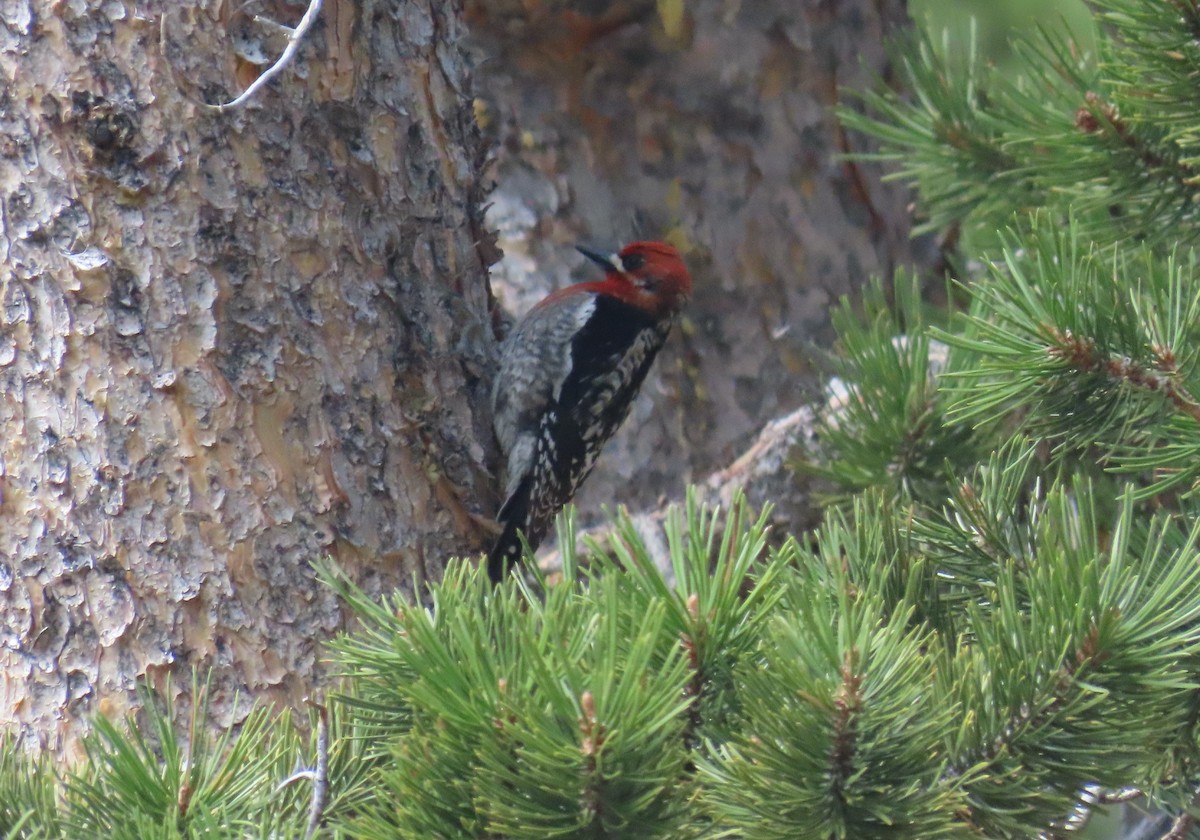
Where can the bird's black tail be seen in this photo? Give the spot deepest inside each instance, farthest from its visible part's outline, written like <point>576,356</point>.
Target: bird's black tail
<point>513,515</point>
<point>506,553</point>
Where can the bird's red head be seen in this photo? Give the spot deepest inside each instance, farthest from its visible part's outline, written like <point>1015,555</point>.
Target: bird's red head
<point>649,275</point>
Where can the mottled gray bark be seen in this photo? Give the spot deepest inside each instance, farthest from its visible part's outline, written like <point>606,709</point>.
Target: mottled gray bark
<point>714,130</point>
<point>229,343</point>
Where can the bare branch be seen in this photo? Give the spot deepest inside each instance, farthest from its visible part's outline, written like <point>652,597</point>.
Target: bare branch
<point>320,794</point>
<point>1180,828</point>
<point>1128,794</point>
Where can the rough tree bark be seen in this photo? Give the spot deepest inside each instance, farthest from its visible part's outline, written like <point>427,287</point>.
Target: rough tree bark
<point>708,122</point>
<point>230,343</point>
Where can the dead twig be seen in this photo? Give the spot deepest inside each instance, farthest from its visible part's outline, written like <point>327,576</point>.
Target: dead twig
<point>320,793</point>
<point>295,36</point>
<point>319,775</point>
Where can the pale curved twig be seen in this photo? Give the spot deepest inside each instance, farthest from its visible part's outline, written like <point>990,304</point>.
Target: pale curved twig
<point>295,36</point>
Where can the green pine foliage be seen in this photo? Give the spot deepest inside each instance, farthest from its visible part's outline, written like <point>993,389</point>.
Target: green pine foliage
<point>887,418</point>
<point>1113,136</point>
<point>1074,361</point>
<point>997,623</point>
<point>844,685</point>
<point>28,810</point>
<point>149,781</point>
<point>573,709</point>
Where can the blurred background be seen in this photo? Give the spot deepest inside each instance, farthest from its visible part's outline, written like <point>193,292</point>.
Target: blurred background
<point>997,21</point>
<point>717,133</point>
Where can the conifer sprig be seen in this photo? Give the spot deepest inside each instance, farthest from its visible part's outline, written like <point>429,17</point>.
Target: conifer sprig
<point>1096,352</point>
<point>1112,136</point>
<point>151,782</point>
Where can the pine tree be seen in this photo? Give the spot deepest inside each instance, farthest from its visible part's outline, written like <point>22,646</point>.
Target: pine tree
<point>995,633</point>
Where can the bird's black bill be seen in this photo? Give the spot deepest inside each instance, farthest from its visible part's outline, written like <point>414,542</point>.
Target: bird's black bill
<point>602,260</point>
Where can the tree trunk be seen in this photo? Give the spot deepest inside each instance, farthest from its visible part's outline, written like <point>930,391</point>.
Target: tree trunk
<point>230,343</point>
<point>709,123</point>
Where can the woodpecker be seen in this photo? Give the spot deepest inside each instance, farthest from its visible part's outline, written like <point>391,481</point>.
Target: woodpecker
<point>569,372</point>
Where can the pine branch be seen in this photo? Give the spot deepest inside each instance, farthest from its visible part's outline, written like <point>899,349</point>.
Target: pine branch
<point>1112,139</point>
<point>1083,354</point>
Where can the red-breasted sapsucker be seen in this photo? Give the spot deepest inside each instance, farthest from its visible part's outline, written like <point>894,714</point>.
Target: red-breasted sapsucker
<point>569,372</point>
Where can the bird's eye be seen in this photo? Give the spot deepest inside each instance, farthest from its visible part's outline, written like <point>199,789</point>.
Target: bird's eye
<point>633,262</point>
